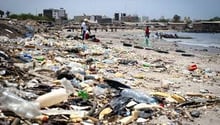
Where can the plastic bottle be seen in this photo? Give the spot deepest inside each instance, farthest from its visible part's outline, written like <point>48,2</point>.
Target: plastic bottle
<point>67,85</point>
<point>76,67</point>
<point>22,94</point>
<point>25,57</point>
<point>75,83</point>
<point>99,91</point>
<point>18,105</point>
<point>53,97</point>
<point>106,53</point>
<point>138,96</point>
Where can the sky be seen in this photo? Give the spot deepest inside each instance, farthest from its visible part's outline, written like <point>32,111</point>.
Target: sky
<point>196,9</point>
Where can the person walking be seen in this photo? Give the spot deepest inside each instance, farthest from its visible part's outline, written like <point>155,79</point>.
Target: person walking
<point>147,36</point>
<point>147,32</point>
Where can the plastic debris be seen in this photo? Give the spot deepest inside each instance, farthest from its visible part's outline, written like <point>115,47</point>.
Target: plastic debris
<point>18,105</point>
<point>83,94</point>
<point>52,98</point>
<point>104,112</point>
<point>192,67</point>
<point>53,77</point>
<point>138,96</point>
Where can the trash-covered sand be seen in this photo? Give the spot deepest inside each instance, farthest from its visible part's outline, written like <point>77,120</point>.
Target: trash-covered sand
<point>54,78</point>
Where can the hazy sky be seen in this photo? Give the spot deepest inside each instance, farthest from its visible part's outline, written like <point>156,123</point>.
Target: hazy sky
<point>196,9</point>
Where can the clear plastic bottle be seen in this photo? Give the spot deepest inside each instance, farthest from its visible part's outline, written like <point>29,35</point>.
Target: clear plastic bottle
<point>106,54</point>
<point>18,105</point>
<point>67,85</point>
<point>99,91</point>
<point>75,83</point>
<point>138,96</point>
<point>22,94</point>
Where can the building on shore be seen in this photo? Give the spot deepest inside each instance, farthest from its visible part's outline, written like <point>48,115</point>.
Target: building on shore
<point>177,26</point>
<point>81,18</point>
<point>116,17</point>
<point>95,18</point>
<point>144,19</point>
<point>59,15</point>
<point>130,18</point>
<point>157,25</point>
<point>206,26</point>
<point>105,21</point>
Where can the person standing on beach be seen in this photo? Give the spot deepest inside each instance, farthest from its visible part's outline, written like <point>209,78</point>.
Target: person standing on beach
<point>147,32</point>
<point>84,28</point>
<point>147,35</point>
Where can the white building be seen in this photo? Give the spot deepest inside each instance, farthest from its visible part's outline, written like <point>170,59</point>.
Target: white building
<point>55,13</point>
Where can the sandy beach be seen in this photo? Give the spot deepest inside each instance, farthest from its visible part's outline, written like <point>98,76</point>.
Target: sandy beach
<point>182,81</point>
<point>116,62</point>
<point>204,59</point>
<point>162,67</point>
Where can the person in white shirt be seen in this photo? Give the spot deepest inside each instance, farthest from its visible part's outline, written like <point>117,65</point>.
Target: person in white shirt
<point>84,28</point>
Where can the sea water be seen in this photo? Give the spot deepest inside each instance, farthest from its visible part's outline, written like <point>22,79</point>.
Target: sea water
<point>198,39</point>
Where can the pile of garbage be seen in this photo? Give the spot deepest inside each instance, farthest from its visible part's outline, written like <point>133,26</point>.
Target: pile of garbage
<point>50,80</point>
<point>15,28</point>
<point>10,31</point>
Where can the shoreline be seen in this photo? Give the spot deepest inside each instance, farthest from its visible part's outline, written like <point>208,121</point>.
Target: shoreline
<point>179,44</point>
<point>193,48</point>
<point>138,38</point>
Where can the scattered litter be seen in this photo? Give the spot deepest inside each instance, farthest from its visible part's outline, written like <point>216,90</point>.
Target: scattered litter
<point>54,78</point>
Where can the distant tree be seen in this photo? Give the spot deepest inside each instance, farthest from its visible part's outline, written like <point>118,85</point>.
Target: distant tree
<point>13,16</point>
<point>215,19</point>
<point>187,20</point>
<point>176,18</point>
<point>40,14</point>
<point>8,13</point>
<point>154,20</point>
<point>2,13</point>
<point>163,20</point>
<point>28,16</point>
